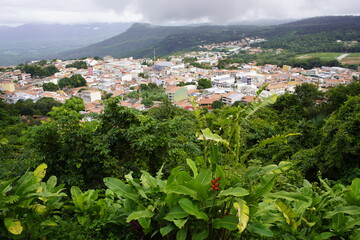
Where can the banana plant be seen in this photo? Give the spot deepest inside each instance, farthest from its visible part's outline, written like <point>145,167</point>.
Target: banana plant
<point>28,205</point>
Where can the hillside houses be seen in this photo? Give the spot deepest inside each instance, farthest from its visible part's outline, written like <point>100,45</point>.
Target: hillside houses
<point>118,77</point>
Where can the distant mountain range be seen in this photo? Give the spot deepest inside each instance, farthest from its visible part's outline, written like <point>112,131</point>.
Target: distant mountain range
<point>313,34</point>
<point>140,40</point>
<point>41,41</point>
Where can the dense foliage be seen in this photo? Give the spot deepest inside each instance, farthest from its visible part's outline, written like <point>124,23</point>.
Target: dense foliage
<point>74,81</point>
<point>52,87</point>
<point>204,83</point>
<point>77,64</point>
<point>38,70</point>
<point>148,93</point>
<point>282,167</point>
<point>308,35</point>
<point>284,58</point>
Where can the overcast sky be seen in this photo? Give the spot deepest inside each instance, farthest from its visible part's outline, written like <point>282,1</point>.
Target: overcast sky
<point>15,12</point>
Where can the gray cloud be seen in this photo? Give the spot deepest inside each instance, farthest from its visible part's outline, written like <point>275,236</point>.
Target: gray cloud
<point>230,10</point>
<point>165,11</point>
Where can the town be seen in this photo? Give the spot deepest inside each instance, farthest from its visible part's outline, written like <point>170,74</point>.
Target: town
<point>180,80</point>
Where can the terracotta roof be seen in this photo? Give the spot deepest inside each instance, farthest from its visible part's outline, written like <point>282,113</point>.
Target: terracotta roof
<point>248,98</point>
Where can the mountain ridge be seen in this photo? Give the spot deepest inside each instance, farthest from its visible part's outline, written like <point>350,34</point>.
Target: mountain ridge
<point>140,39</point>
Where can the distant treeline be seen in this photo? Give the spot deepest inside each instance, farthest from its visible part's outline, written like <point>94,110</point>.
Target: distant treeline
<point>285,58</point>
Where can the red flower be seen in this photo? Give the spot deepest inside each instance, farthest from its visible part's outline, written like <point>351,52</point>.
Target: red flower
<point>215,184</point>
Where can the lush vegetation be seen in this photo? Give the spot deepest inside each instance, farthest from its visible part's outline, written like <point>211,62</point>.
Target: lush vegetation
<point>204,83</point>
<point>52,87</point>
<point>148,93</point>
<point>284,58</point>
<point>77,64</point>
<point>310,35</point>
<point>38,70</point>
<point>283,167</point>
<point>74,81</point>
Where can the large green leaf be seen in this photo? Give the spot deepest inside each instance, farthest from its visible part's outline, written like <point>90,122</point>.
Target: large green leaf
<point>120,188</point>
<point>208,135</point>
<point>40,172</point>
<point>3,141</point>
<point>181,234</point>
<point>180,222</point>
<point>11,199</point>
<point>176,213</point>
<point>145,222</point>
<point>204,177</point>
<point>200,235</point>
<point>140,214</point>
<point>183,177</point>
<point>353,196</point>
<point>351,224</point>
<point>254,106</point>
<point>76,196</point>
<point>27,183</point>
<point>180,189</point>
<point>338,221</point>
<point>219,172</point>
<point>5,187</point>
<point>236,192</point>
<point>300,207</point>
<point>264,187</point>
<point>351,210</point>
<point>287,213</point>
<point>288,196</point>
<point>129,178</point>
<point>242,214</point>
<point>229,222</point>
<point>201,190</point>
<point>324,235</point>
<point>193,167</point>
<point>355,187</point>
<point>192,209</point>
<point>355,235</point>
<point>260,229</point>
<point>13,225</point>
<point>147,180</point>
<point>166,230</point>
<point>51,182</point>
<point>48,223</point>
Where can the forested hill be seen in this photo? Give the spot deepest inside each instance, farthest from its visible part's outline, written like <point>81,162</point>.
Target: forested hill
<point>140,40</point>
<point>313,34</point>
<point>318,34</point>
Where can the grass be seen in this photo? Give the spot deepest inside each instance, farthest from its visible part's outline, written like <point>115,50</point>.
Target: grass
<point>354,55</point>
<point>321,55</point>
<point>352,58</point>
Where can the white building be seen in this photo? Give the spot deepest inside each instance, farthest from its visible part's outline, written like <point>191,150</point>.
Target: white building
<point>90,95</point>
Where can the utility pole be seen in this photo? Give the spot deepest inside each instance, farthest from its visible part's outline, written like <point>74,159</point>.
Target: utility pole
<point>154,55</point>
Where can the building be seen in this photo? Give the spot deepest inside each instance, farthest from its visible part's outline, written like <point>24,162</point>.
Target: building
<point>90,95</point>
<point>230,98</point>
<point>7,86</point>
<point>176,94</point>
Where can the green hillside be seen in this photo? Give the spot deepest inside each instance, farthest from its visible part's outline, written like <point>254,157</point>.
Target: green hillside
<point>140,40</point>
<point>318,34</point>
<point>310,35</point>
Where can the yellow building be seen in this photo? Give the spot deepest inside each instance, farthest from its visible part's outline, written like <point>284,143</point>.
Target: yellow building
<point>286,67</point>
<point>8,86</point>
